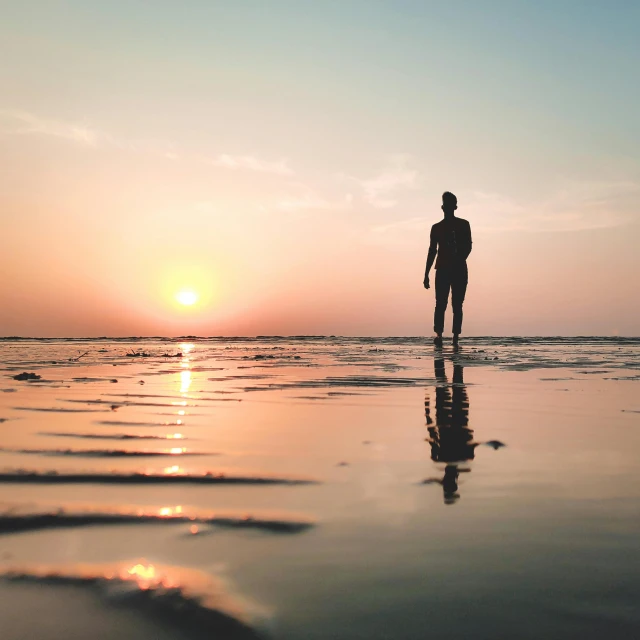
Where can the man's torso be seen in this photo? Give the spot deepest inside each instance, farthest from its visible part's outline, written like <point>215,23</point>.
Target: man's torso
<point>453,236</point>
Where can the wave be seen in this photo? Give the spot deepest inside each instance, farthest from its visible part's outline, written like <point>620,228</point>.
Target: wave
<point>343,381</point>
<point>111,436</point>
<point>58,410</point>
<point>14,521</point>
<point>142,395</point>
<point>128,423</point>
<point>55,477</point>
<point>129,403</point>
<point>108,453</point>
<point>183,398</point>
<point>257,376</point>
<point>197,604</point>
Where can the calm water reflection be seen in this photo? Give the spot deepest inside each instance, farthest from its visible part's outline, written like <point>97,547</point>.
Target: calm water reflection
<point>544,543</point>
<point>450,438</point>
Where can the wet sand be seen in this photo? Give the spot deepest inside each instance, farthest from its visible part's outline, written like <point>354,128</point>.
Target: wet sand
<point>320,488</point>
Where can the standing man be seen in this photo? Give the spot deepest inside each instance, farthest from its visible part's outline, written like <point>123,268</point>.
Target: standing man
<point>451,241</point>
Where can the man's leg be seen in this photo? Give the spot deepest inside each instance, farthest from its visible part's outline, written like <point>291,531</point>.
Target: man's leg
<point>458,291</point>
<point>443,285</point>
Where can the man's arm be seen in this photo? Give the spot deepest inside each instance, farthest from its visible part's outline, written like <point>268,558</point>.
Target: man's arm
<point>465,245</point>
<point>431,256</point>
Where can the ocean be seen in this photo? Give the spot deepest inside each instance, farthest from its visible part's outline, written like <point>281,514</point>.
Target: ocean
<point>311,487</point>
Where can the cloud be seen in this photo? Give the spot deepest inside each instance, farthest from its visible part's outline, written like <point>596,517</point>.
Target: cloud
<point>419,223</point>
<point>310,201</point>
<point>251,163</point>
<point>24,123</point>
<point>577,206</point>
<point>380,191</point>
<point>16,122</point>
<point>397,233</point>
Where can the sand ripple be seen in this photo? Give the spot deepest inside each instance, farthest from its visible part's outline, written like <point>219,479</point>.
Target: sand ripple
<point>55,477</point>
<point>109,453</point>
<point>200,605</point>
<point>15,520</point>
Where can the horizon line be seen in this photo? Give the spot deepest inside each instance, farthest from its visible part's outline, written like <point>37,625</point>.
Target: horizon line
<point>303,336</point>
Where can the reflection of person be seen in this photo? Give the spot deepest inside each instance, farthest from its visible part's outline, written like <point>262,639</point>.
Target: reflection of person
<point>449,483</point>
<point>450,438</point>
<point>451,242</point>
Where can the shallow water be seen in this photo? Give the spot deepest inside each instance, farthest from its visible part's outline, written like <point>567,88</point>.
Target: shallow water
<point>320,488</point>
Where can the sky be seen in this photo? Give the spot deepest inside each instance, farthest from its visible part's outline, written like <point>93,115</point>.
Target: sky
<point>282,162</point>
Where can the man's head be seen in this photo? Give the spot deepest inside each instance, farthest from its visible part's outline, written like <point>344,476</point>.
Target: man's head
<point>449,202</point>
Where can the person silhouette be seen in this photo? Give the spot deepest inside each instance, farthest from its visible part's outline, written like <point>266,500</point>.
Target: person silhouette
<point>451,242</point>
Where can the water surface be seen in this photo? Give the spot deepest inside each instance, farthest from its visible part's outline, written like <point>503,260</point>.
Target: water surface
<point>313,488</point>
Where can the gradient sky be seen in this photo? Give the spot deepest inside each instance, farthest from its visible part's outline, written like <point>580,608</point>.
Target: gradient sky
<point>285,161</point>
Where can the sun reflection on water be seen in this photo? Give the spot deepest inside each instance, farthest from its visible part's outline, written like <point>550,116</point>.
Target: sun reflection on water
<point>167,512</point>
<point>145,576</point>
<point>186,347</point>
<point>185,381</point>
<point>175,469</point>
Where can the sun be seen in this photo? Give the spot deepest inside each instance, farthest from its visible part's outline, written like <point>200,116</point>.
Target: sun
<point>187,297</point>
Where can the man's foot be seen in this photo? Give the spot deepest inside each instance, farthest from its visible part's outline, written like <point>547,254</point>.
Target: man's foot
<point>437,341</point>
<point>456,340</point>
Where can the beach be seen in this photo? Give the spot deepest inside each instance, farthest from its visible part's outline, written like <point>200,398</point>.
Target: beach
<point>319,487</point>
